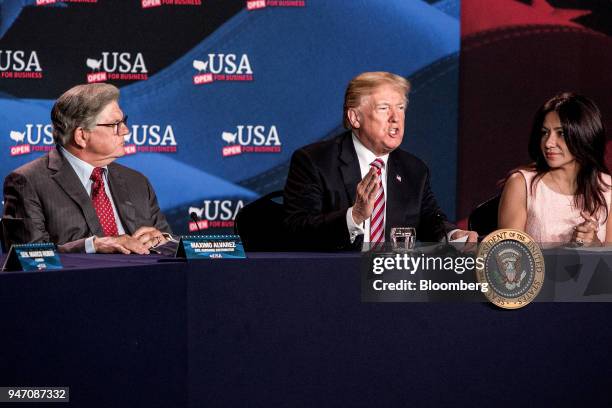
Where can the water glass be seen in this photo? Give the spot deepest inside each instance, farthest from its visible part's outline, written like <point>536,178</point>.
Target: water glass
<point>403,238</point>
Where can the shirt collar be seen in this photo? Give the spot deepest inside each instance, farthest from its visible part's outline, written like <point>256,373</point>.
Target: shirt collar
<point>82,169</point>
<point>365,155</point>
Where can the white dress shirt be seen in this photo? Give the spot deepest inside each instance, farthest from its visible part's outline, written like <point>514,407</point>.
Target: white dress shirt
<point>365,157</point>
<point>83,171</point>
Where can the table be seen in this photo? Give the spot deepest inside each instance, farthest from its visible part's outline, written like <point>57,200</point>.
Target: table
<point>286,329</point>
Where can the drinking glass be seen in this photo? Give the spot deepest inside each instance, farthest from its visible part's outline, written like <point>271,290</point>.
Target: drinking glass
<point>403,238</point>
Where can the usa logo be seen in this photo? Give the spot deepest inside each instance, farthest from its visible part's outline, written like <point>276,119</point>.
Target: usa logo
<point>158,3</point>
<point>33,138</point>
<point>260,4</point>
<point>20,64</point>
<point>222,67</point>
<point>150,139</point>
<point>251,139</point>
<point>117,66</point>
<point>46,2</point>
<point>214,214</point>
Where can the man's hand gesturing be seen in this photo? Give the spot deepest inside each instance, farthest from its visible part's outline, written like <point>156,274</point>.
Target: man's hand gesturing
<point>365,196</point>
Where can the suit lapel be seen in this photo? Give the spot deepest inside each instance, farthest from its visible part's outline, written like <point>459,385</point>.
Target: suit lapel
<point>67,179</point>
<point>121,198</point>
<point>349,166</point>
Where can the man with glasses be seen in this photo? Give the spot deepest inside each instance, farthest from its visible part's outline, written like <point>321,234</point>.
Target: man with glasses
<point>75,196</point>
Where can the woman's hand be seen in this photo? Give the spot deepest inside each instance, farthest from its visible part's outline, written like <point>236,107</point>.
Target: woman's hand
<point>586,232</point>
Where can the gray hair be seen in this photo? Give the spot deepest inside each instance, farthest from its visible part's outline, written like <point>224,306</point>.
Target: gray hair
<point>364,84</point>
<point>79,107</point>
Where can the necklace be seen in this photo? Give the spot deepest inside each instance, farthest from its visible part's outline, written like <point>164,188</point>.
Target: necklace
<point>554,180</point>
<point>571,202</point>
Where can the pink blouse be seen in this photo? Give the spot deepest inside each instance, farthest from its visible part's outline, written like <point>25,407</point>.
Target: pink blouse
<point>552,216</point>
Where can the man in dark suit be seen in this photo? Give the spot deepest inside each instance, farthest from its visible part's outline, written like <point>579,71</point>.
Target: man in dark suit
<point>75,196</point>
<point>356,187</point>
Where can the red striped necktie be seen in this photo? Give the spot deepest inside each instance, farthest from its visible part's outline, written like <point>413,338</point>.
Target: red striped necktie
<point>102,204</point>
<point>377,221</point>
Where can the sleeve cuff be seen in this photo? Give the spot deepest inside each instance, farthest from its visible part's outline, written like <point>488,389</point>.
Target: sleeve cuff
<point>458,240</point>
<point>353,229</point>
<point>89,245</point>
<point>169,237</point>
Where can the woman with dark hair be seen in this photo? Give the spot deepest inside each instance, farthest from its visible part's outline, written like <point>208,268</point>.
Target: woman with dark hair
<point>564,196</point>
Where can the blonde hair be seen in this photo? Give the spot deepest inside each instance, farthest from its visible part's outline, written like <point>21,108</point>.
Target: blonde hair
<point>364,84</point>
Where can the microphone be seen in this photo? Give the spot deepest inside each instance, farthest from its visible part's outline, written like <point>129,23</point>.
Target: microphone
<point>447,248</point>
<point>442,226</point>
<point>195,219</point>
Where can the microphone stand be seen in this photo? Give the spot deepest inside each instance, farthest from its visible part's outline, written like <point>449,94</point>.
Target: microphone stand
<point>196,220</point>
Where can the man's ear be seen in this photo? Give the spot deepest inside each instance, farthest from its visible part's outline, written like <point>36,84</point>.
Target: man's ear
<point>80,137</point>
<point>354,118</point>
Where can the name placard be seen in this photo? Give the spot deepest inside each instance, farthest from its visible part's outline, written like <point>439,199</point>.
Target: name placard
<point>210,247</point>
<point>32,257</point>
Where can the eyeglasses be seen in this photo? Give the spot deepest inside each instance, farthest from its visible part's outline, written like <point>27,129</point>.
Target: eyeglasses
<point>115,125</point>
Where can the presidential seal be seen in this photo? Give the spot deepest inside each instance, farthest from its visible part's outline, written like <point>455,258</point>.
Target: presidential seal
<point>513,268</point>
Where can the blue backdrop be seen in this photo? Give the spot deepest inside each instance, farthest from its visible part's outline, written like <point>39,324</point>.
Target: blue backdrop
<point>218,95</point>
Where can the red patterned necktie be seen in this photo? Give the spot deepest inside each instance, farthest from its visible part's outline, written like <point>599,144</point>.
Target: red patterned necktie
<point>102,204</point>
<point>377,221</point>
